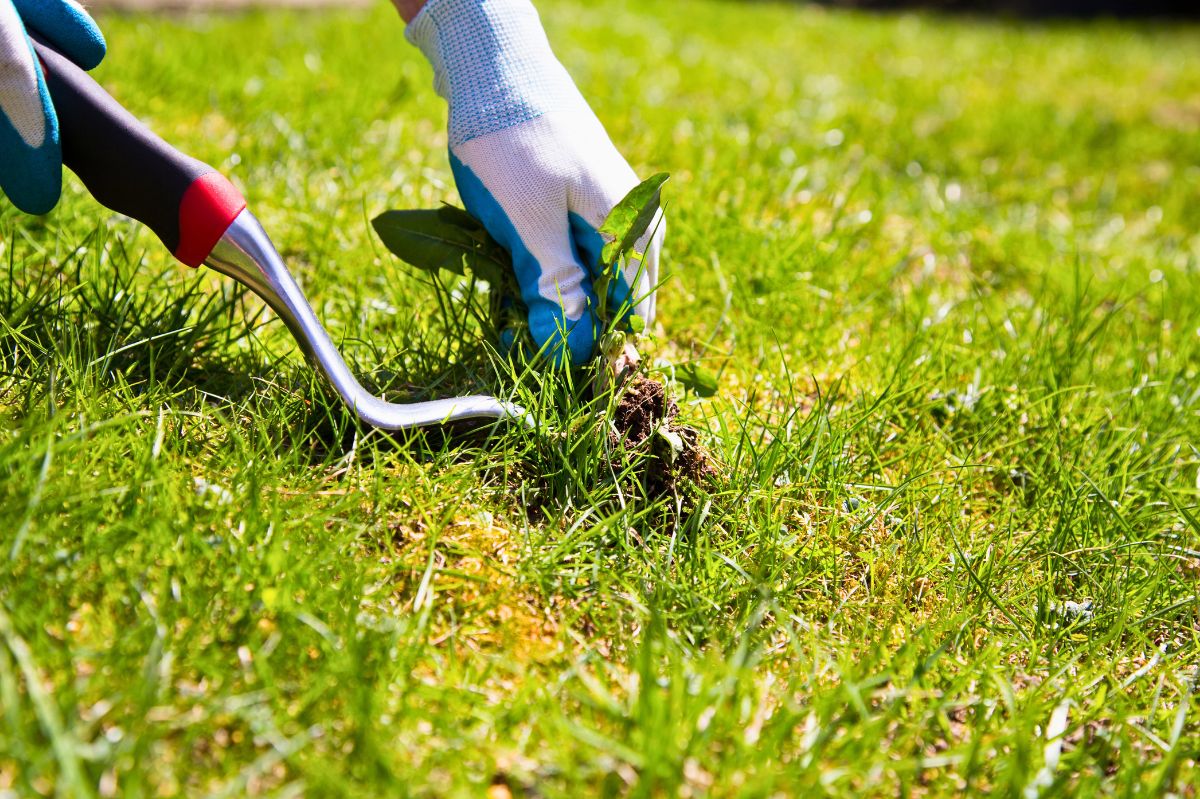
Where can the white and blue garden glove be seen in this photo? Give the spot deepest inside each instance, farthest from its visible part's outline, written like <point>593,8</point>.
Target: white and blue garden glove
<point>30,153</point>
<point>534,165</point>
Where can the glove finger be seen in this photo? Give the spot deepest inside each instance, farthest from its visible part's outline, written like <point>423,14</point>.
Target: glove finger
<point>536,232</point>
<point>31,166</point>
<point>562,317</point>
<point>591,204</point>
<point>558,296</point>
<point>589,246</point>
<point>67,27</point>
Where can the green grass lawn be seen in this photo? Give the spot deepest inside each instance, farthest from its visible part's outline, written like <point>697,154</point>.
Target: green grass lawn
<point>947,271</point>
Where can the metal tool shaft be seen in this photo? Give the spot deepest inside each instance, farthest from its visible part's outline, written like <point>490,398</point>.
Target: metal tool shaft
<point>246,254</point>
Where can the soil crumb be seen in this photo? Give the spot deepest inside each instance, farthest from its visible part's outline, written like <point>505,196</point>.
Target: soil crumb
<point>645,408</point>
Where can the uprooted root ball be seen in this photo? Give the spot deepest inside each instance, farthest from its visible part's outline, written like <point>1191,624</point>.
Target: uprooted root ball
<point>645,419</point>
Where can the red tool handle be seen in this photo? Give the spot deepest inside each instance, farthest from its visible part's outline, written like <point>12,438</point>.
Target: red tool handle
<point>130,170</point>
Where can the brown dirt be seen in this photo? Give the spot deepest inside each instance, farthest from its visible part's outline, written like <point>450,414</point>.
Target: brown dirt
<point>644,404</point>
<point>643,408</point>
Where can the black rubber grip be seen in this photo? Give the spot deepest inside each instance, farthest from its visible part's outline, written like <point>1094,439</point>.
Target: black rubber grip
<point>123,164</point>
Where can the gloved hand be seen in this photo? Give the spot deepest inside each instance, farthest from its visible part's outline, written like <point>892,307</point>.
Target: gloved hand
<point>533,164</point>
<point>30,153</point>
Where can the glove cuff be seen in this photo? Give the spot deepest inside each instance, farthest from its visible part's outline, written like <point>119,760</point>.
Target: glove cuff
<point>492,63</point>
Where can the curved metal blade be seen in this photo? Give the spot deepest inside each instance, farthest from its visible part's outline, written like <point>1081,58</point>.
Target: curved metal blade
<point>246,254</point>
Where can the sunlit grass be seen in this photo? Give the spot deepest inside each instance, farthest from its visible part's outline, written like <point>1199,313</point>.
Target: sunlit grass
<point>946,271</point>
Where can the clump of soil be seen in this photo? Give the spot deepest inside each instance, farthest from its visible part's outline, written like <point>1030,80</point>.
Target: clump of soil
<point>644,404</point>
<point>644,413</point>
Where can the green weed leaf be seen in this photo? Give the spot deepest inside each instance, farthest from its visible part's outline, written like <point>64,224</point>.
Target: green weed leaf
<point>631,218</point>
<point>444,238</point>
<point>454,215</point>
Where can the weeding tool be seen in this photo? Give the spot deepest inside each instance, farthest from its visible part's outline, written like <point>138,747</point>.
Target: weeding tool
<point>203,220</point>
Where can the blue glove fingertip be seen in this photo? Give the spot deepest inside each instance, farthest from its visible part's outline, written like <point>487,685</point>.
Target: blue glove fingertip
<point>67,27</point>
<point>34,182</point>
<point>551,330</point>
<point>31,169</point>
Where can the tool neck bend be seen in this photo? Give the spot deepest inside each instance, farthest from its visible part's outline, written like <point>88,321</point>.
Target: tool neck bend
<point>246,254</point>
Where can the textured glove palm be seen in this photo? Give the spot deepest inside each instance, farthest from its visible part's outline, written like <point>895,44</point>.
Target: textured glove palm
<point>30,152</point>
<point>534,164</point>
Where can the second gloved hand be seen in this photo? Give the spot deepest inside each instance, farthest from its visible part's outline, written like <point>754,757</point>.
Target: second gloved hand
<point>30,153</point>
<point>534,165</point>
